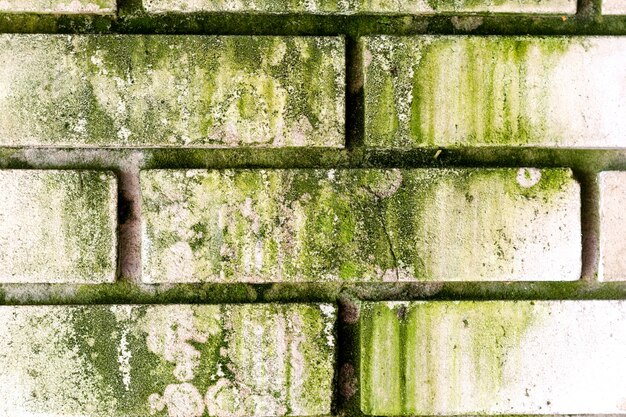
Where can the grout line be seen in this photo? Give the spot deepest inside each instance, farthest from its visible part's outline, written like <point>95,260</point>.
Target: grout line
<point>126,292</point>
<point>581,160</point>
<point>588,9</point>
<point>355,112</point>
<point>129,226</point>
<point>347,360</point>
<point>590,221</point>
<point>131,19</point>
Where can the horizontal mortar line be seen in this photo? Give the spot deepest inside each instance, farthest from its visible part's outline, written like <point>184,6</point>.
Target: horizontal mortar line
<point>213,293</point>
<point>223,23</point>
<point>323,158</point>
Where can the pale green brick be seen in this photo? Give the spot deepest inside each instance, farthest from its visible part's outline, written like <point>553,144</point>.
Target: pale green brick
<point>153,90</point>
<point>59,6</point>
<point>363,6</point>
<point>493,358</point>
<point>58,226</point>
<point>175,360</point>
<point>565,92</point>
<point>360,225</point>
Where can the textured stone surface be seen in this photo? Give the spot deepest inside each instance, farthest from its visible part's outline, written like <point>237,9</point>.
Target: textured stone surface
<point>613,7</point>
<point>175,360</point>
<point>158,90</point>
<point>59,6</point>
<point>612,226</point>
<point>495,91</point>
<point>360,225</point>
<point>365,6</point>
<point>57,226</point>
<point>496,357</point>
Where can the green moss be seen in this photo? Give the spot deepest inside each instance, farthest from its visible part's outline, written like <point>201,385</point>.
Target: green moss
<point>349,225</point>
<point>406,368</point>
<point>164,91</point>
<point>485,102</point>
<point>386,121</point>
<point>210,359</point>
<point>89,221</point>
<point>123,291</point>
<point>381,380</point>
<point>100,336</point>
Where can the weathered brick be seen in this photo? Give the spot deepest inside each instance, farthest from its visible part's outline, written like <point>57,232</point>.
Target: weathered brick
<point>59,6</point>
<point>363,6</point>
<point>360,225</point>
<point>155,90</point>
<point>495,91</point>
<point>57,226</point>
<point>176,360</point>
<point>495,357</point>
<point>612,265</point>
<point>613,7</point>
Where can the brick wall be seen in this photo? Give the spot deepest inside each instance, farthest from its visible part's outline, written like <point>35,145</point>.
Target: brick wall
<point>312,208</point>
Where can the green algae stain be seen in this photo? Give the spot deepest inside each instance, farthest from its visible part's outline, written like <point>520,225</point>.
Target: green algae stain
<point>418,358</point>
<point>381,389</point>
<point>89,217</point>
<point>163,90</point>
<point>536,184</point>
<point>126,371</point>
<point>466,345</point>
<point>463,91</point>
<point>477,91</point>
<point>386,120</point>
<point>344,225</point>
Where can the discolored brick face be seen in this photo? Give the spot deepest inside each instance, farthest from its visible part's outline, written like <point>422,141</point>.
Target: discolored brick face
<point>184,360</point>
<point>312,208</point>
<point>492,357</point>
<point>182,91</point>
<point>463,91</point>
<point>58,226</point>
<point>360,225</point>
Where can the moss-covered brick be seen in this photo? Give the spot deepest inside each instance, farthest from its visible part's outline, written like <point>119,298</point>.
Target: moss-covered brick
<point>361,6</point>
<point>171,91</point>
<point>99,7</point>
<point>57,226</point>
<point>360,225</point>
<point>492,357</point>
<point>174,360</point>
<point>565,92</point>
<point>612,261</point>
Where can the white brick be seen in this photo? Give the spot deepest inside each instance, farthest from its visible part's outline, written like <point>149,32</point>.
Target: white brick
<point>58,226</point>
<point>457,91</point>
<point>493,358</point>
<point>614,7</point>
<point>59,6</point>
<point>612,265</point>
